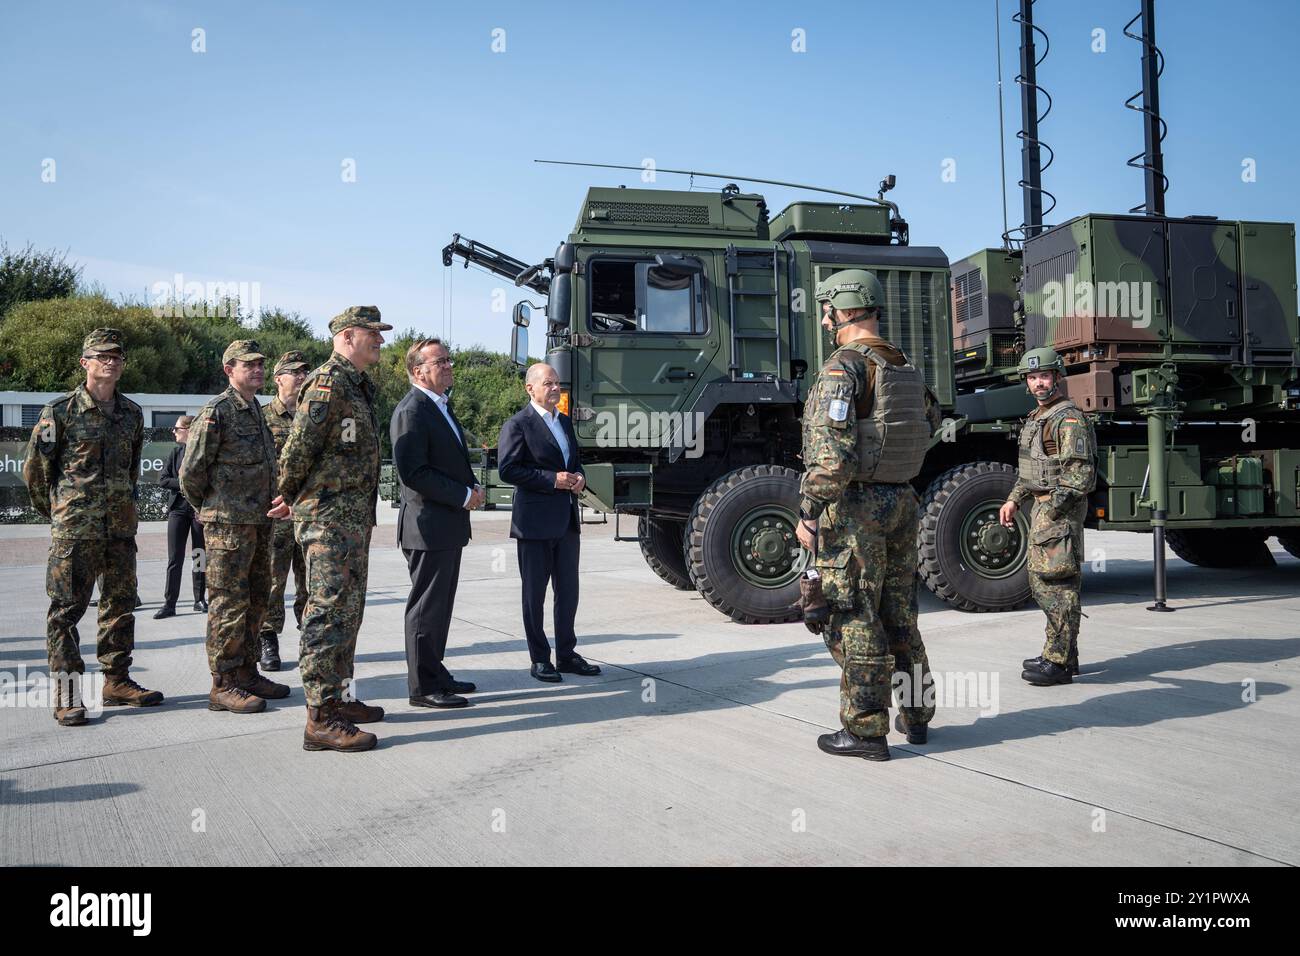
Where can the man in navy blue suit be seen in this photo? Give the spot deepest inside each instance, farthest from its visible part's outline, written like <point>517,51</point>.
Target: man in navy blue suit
<point>538,454</point>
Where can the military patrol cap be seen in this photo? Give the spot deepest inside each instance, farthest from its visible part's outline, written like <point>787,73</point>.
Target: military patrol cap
<point>104,340</point>
<point>358,317</point>
<point>291,361</point>
<point>245,350</point>
<point>1043,359</point>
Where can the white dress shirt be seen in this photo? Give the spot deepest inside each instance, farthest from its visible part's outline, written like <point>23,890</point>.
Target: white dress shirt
<point>557,430</point>
<point>441,402</point>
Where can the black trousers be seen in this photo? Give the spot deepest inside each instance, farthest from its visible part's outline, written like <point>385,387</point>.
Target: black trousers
<point>428,617</point>
<point>551,561</point>
<point>180,525</point>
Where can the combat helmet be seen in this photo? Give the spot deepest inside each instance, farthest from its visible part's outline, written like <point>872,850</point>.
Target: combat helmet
<point>851,289</point>
<point>1042,359</point>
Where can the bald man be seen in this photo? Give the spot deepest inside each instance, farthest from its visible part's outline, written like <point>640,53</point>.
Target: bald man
<point>538,453</point>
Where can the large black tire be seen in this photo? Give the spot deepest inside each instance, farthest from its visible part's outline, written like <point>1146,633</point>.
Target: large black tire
<point>1290,540</point>
<point>765,497</point>
<point>1221,547</point>
<point>989,573</point>
<point>661,546</point>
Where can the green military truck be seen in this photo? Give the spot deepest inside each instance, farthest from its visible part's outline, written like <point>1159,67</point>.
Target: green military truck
<point>683,328</point>
<point>684,331</point>
<point>484,463</point>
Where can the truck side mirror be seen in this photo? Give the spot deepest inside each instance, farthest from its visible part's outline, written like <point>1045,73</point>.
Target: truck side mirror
<point>523,313</point>
<point>519,344</point>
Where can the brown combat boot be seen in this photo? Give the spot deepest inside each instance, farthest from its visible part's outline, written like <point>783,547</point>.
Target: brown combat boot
<point>68,708</point>
<point>248,678</point>
<point>327,729</point>
<point>226,694</point>
<point>359,712</point>
<point>120,689</point>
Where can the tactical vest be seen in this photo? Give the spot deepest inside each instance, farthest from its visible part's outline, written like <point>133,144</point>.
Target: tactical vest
<point>1039,471</point>
<point>893,439</point>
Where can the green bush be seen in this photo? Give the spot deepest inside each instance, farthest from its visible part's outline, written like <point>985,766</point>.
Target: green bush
<point>179,354</point>
<point>42,344</point>
<point>30,276</point>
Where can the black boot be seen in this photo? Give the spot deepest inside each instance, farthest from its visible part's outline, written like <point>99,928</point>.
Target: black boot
<point>200,587</point>
<point>915,733</point>
<point>167,610</point>
<point>1046,673</point>
<point>270,652</point>
<point>844,744</point>
<point>1071,662</point>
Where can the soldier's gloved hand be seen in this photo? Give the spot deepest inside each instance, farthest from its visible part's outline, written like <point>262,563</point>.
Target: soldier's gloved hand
<point>816,612</point>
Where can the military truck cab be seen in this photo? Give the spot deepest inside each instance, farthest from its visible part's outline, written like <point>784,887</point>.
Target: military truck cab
<point>684,330</point>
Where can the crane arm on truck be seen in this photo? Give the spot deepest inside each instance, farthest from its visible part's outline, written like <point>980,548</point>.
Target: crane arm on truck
<point>535,277</point>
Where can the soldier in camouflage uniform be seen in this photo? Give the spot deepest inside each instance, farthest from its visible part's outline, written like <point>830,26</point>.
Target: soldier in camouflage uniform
<point>1057,471</point>
<point>228,475</point>
<point>329,472</point>
<point>81,469</point>
<point>858,516</point>
<point>290,372</point>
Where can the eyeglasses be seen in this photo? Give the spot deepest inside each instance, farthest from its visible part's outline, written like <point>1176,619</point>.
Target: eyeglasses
<point>439,363</point>
<point>106,359</point>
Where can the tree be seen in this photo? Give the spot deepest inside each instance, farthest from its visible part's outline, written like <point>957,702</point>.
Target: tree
<point>278,331</point>
<point>30,276</point>
<point>487,388</point>
<point>42,345</point>
<point>165,353</point>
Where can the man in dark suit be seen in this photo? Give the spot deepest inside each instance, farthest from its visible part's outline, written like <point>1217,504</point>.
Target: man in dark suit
<point>438,493</point>
<point>182,524</point>
<point>538,454</point>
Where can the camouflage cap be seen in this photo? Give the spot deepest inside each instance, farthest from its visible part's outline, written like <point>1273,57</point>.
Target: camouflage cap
<point>291,361</point>
<point>358,317</point>
<point>245,350</point>
<point>104,340</point>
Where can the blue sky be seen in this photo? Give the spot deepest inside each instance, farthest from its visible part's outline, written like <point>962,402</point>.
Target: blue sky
<point>226,165</point>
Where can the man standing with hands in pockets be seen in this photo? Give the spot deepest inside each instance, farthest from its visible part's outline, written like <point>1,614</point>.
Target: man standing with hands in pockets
<point>538,454</point>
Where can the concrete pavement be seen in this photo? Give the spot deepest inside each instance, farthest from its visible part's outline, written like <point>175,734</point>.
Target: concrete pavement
<point>697,742</point>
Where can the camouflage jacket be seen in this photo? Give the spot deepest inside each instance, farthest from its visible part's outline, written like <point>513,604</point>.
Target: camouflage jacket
<point>830,452</point>
<point>82,466</point>
<point>329,468</point>
<point>1069,438</point>
<point>279,419</point>
<point>228,472</point>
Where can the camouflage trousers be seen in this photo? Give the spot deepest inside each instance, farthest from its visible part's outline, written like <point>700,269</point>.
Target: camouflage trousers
<point>75,564</point>
<point>337,561</point>
<point>866,556</point>
<point>238,565</point>
<point>1058,597</point>
<point>286,553</point>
